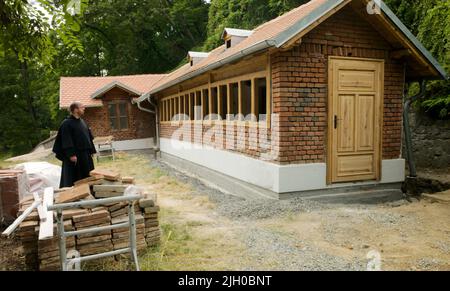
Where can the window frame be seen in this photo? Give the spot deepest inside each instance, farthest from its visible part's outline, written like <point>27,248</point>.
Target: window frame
<point>118,116</point>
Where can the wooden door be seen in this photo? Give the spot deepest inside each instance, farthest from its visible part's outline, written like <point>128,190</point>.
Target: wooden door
<point>355,119</point>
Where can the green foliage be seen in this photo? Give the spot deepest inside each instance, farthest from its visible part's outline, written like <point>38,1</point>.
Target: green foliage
<point>38,44</point>
<point>430,21</point>
<point>243,14</point>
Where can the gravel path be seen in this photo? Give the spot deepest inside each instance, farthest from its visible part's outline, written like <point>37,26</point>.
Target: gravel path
<point>237,208</point>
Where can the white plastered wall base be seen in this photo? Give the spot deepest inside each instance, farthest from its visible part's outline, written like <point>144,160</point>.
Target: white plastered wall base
<point>267,175</point>
<point>134,144</point>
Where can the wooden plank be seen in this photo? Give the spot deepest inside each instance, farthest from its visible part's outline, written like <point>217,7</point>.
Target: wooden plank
<point>20,219</point>
<point>75,194</point>
<point>40,208</point>
<point>109,175</point>
<point>46,227</point>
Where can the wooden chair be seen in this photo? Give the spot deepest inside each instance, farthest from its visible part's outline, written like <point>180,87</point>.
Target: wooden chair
<point>105,147</point>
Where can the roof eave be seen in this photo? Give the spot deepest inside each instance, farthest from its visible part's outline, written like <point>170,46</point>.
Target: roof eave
<point>397,22</point>
<point>248,51</point>
<point>113,85</point>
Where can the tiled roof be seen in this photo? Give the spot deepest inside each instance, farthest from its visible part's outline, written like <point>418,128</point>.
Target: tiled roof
<point>276,33</point>
<point>82,88</point>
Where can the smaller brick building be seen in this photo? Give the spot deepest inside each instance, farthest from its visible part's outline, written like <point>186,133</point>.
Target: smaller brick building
<point>109,107</point>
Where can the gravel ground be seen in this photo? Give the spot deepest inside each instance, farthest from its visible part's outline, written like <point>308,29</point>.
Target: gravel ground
<point>286,254</point>
<point>237,208</point>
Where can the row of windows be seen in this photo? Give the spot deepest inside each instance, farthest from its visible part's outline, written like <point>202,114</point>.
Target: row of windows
<point>246,98</point>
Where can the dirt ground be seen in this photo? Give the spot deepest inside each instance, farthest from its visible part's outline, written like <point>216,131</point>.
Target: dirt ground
<point>204,229</point>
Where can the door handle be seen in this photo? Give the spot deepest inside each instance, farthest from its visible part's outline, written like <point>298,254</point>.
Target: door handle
<point>335,122</point>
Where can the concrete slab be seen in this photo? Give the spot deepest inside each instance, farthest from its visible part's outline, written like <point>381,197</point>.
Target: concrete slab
<point>366,194</point>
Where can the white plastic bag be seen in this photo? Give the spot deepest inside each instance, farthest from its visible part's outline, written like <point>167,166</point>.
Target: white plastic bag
<point>41,175</point>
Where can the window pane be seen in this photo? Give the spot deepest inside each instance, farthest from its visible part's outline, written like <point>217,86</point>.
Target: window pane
<point>205,103</point>
<point>234,91</point>
<point>123,123</point>
<point>113,123</point>
<point>214,96</point>
<point>261,98</point>
<point>112,110</point>
<point>198,105</point>
<point>192,108</point>
<point>123,109</point>
<point>224,101</point>
<point>246,91</point>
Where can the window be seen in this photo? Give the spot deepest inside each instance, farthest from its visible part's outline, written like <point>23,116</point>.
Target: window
<point>260,98</point>
<point>192,106</point>
<point>246,98</point>
<point>176,110</point>
<point>186,107</point>
<point>223,102</point>
<point>118,116</point>
<point>228,43</point>
<point>198,105</point>
<point>181,107</point>
<point>205,102</point>
<point>234,99</point>
<point>214,96</point>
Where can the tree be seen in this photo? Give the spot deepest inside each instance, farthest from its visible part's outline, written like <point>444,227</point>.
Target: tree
<point>430,22</point>
<point>244,14</point>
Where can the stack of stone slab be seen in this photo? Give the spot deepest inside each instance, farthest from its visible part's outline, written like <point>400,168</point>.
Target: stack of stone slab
<point>44,254</point>
<point>151,210</point>
<point>14,186</point>
<point>90,244</point>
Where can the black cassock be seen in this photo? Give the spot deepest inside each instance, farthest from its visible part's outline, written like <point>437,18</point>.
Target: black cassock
<point>74,139</point>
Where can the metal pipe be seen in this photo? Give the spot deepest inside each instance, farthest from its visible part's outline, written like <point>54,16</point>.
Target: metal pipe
<point>157,122</point>
<point>144,109</point>
<point>98,256</point>
<point>62,240</point>
<point>407,129</point>
<point>96,229</point>
<point>133,245</point>
<point>94,203</point>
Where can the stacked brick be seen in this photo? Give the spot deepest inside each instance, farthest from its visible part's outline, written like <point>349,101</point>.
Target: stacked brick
<point>13,186</point>
<point>44,254</point>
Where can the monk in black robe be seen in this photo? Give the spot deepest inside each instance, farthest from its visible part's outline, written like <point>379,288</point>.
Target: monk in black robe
<point>74,147</point>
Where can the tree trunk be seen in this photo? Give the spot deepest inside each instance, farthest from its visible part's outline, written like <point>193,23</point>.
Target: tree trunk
<point>26,91</point>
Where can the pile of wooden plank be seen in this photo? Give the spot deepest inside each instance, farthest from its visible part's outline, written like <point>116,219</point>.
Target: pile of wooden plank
<point>44,254</point>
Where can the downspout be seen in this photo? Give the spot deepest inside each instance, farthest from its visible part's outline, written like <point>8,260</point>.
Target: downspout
<point>408,139</point>
<point>156,122</point>
<point>144,109</point>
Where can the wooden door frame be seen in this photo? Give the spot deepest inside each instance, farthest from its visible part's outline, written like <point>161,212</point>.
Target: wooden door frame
<point>330,112</point>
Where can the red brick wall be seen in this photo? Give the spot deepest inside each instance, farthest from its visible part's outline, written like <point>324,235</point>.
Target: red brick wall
<point>244,141</point>
<point>300,87</point>
<point>141,124</point>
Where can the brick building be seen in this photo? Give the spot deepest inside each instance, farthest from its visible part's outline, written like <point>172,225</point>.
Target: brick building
<point>109,108</point>
<point>309,101</point>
